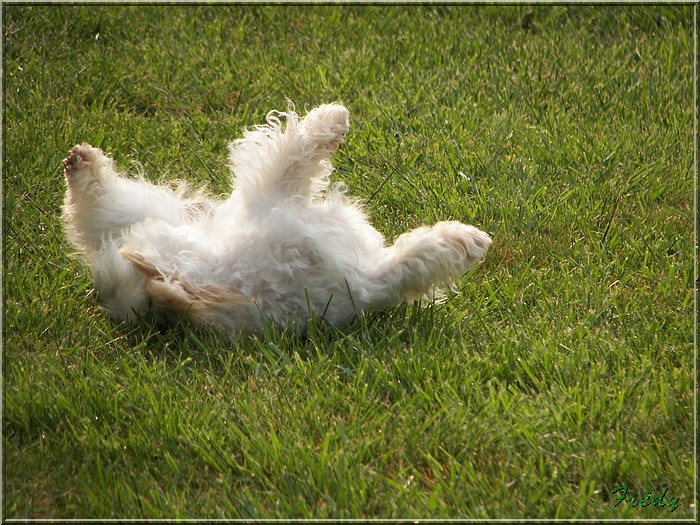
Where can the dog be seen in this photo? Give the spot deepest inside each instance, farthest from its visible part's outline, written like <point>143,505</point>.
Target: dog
<point>285,246</point>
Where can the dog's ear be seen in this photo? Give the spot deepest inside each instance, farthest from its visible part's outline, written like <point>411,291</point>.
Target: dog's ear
<point>169,296</point>
<point>140,262</point>
<point>174,294</point>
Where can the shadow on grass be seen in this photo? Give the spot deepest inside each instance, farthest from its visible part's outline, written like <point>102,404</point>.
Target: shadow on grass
<point>375,334</point>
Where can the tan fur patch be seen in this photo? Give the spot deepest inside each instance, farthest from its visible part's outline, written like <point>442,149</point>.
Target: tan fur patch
<point>140,262</point>
<point>174,294</point>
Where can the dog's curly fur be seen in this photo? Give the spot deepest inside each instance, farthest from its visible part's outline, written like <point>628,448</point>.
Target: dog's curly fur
<point>284,243</point>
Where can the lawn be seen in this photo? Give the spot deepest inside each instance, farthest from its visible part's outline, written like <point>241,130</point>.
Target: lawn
<point>562,370</point>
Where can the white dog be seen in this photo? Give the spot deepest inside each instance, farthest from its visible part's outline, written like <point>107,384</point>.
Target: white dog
<point>282,246</point>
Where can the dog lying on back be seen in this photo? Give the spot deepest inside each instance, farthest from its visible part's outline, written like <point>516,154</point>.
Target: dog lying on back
<point>283,244</point>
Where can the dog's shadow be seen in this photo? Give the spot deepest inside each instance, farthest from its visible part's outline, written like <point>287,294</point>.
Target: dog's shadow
<point>375,335</point>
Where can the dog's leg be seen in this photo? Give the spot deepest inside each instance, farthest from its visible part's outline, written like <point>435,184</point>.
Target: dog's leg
<point>99,203</point>
<point>427,260</point>
<point>276,162</point>
<point>322,131</point>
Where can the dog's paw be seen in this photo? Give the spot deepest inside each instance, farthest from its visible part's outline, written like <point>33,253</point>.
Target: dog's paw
<point>473,242</point>
<point>327,125</point>
<point>87,170</point>
<point>81,160</point>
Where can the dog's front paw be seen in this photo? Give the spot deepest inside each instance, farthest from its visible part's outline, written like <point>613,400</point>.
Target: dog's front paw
<point>86,170</point>
<point>327,126</point>
<point>81,160</point>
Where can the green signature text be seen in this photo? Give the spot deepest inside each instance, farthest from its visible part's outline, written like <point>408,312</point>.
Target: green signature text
<point>648,500</point>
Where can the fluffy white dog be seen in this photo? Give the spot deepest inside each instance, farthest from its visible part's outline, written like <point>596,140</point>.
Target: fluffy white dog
<point>282,245</point>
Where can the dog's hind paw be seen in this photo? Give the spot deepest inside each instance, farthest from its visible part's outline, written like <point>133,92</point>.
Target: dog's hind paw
<point>472,243</point>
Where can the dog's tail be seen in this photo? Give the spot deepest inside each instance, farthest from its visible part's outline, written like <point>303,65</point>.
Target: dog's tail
<point>211,304</point>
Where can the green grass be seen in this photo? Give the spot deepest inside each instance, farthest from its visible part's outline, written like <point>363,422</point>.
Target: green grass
<point>564,367</point>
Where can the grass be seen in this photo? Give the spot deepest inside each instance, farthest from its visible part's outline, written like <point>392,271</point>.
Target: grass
<point>564,367</point>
